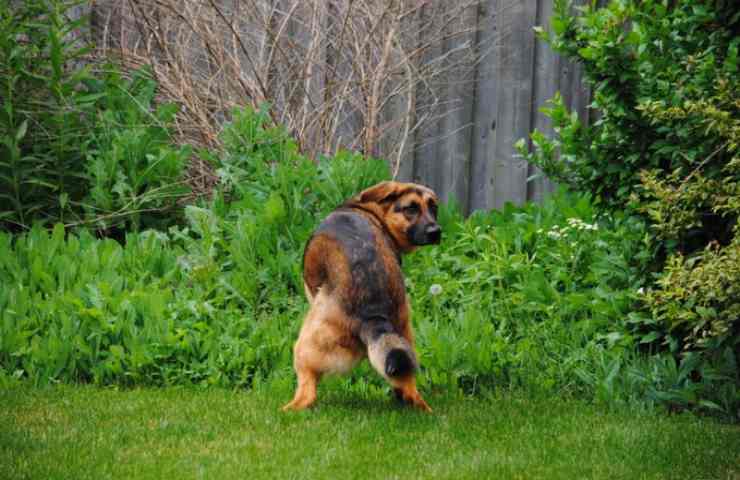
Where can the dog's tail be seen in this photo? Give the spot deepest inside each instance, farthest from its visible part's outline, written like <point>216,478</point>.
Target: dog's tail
<point>389,353</point>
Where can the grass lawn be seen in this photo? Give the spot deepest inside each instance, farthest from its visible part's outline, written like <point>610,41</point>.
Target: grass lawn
<point>78,432</point>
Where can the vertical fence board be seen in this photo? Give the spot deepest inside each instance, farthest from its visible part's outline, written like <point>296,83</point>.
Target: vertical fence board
<point>339,65</point>
<point>456,126</point>
<point>426,154</point>
<point>484,109</point>
<point>515,21</point>
<point>545,85</point>
<point>581,94</point>
<point>403,160</point>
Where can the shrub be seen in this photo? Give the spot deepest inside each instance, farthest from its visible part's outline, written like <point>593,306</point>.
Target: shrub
<point>527,297</point>
<point>134,171</point>
<point>77,146</point>
<point>537,298</point>
<point>664,145</point>
<point>127,314</point>
<point>664,83</point>
<point>216,301</point>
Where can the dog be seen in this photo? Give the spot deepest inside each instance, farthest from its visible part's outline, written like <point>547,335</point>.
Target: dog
<point>355,287</point>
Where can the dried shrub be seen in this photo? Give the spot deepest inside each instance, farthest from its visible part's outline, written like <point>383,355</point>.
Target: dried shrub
<point>363,75</point>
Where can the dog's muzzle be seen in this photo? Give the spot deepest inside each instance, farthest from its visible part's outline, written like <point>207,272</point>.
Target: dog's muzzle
<point>428,234</point>
<point>434,233</point>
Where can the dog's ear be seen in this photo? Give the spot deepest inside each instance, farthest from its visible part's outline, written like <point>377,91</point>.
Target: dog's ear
<point>384,192</point>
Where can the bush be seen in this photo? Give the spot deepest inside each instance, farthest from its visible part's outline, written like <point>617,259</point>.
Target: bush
<point>665,146</point>
<point>78,146</point>
<point>216,301</point>
<point>527,297</point>
<point>541,298</point>
<point>524,298</point>
<point>538,298</point>
<point>664,83</point>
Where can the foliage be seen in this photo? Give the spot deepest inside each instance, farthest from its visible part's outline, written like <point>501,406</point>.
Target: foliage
<point>213,302</point>
<point>665,85</point>
<point>134,172</point>
<point>528,297</point>
<point>664,145</point>
<point>537,298</point>
<point>695,293</point>
<point>77,146</point>
<point>697,309</point>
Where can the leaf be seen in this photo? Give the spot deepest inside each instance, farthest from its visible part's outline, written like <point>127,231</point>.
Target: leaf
<point>90,97</point>
<point>651,337</point>
<point>710,405</point>
<point>117,351</point>
<point>21,132</point>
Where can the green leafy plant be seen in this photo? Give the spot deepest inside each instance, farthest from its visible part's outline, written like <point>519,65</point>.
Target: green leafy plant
<point>135,172</point>
<point>528,296</point>
<point>78,145</point>
<point>665,86</point>
<point>43,110</point>
<point>215,301</point>
<point>665,146</point>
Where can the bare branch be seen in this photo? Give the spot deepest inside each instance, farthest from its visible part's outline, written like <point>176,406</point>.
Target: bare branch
<point>357,74</point>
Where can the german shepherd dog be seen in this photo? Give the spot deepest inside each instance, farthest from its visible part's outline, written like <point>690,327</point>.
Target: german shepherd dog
<point>355,287</point>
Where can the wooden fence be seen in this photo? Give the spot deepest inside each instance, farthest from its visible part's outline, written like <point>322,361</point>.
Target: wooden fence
<point>472,155</point>
<point>468,153</point>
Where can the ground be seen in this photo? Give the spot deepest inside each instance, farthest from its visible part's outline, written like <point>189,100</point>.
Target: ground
<point>84,432</point>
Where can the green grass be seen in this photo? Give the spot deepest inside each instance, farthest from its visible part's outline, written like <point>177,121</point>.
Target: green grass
<point>73,432</point>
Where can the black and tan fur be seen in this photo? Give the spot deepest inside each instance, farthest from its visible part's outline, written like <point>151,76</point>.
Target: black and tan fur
<point>353,281</point>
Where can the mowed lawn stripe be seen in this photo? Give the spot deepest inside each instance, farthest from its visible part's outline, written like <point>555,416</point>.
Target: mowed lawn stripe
<point>84,432</point>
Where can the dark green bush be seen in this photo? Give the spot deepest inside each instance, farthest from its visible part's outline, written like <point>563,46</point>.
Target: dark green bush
<point>537,298</point>
<point>217,301</point>
<point>527,298</point>
<point>77,145</point>
<point>665,146</point>
<point>664,81</point>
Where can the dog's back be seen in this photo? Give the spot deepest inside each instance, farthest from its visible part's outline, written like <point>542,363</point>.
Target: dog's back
<point>349,258</point>
<point>346,256</point>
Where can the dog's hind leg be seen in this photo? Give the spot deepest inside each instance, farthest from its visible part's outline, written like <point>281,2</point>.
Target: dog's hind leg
<point>323,347</point>
<point>405,390</point>
<point>306,361</point>
<point>305,394</point>
<point>311,363</point>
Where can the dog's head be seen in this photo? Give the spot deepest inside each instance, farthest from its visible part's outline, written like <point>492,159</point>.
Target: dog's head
<point>408,210</point>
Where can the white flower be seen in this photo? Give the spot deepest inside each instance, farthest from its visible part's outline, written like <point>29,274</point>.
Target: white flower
<point>435,289</point>
<point>641,291</point>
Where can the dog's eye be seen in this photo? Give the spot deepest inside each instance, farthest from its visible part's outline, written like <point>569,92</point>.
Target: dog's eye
<point>411,209</point>
<point>433,209</point>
